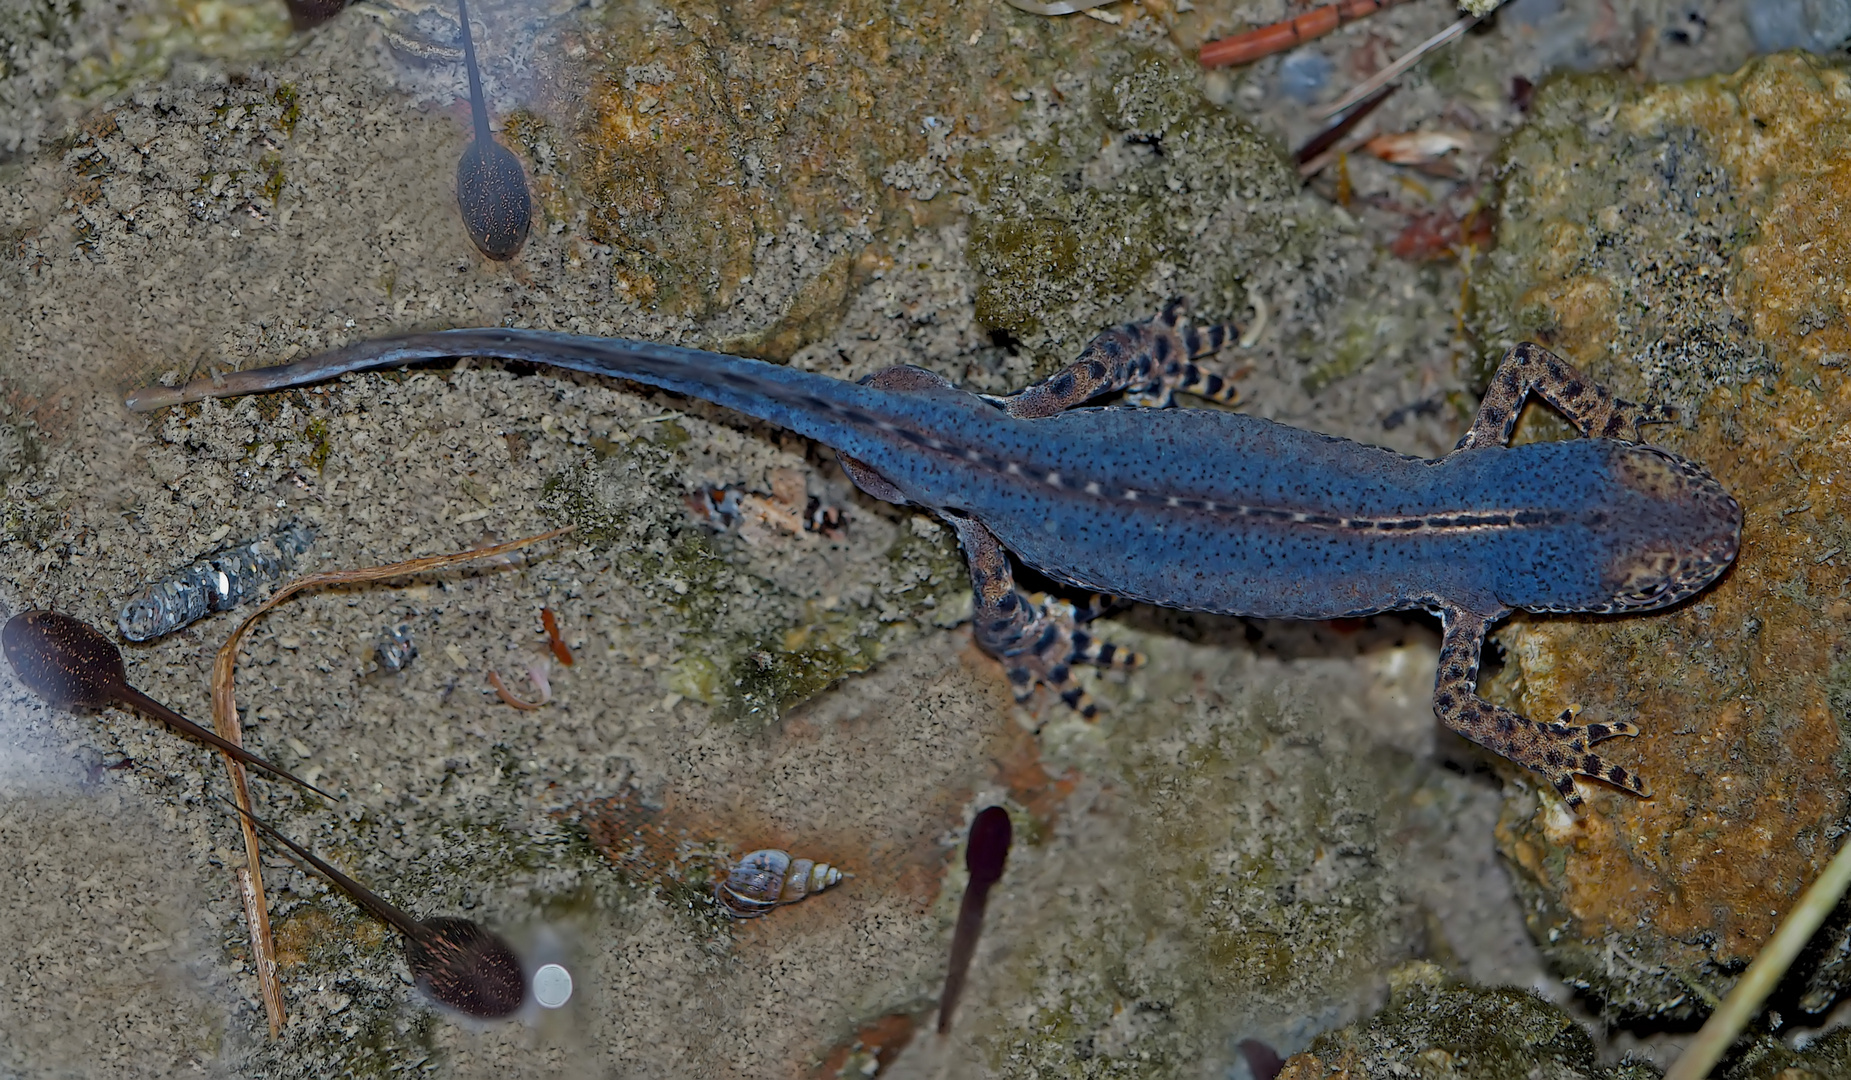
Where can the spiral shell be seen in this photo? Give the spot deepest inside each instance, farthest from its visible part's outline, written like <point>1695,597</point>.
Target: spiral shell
<point>768,878</point>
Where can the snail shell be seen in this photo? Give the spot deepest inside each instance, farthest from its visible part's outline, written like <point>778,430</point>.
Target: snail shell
<point>768,878</point>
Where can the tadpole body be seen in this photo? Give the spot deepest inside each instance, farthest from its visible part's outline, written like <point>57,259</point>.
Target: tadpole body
<point>72,665</point>
<point>985,852</point>
<point>456,962</point>
<point>491,185</point>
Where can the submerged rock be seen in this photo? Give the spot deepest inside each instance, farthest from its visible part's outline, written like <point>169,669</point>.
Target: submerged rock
<point>1433,1027</point>
<point>1681,244</point>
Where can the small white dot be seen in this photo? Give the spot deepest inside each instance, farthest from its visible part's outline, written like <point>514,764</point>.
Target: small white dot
<point>552,986</point>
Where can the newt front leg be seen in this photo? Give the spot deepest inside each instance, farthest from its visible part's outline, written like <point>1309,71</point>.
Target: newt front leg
<point>1558,750</point>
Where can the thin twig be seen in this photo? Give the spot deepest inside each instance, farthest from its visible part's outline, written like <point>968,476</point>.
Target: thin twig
<point>1770,964</point>
<point>1282,35</point>
<point>1383,77</point>
<point>225,719</point>
<point>263,946</point>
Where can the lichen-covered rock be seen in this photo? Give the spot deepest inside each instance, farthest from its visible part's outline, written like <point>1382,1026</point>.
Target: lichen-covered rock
<point>1432,1028</point>
<point>1183,199</point>
<point>1680,243</point>
<point>1768,1058</point>
<point>753,152</point>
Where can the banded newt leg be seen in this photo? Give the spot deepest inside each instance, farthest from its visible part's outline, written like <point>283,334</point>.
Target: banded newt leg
<point>1558,750</point>
<point>1586,404</point>
<point>1152,361</point>
<point>1037,643</point>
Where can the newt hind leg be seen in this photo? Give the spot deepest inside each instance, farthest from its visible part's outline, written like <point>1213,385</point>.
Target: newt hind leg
<point>1151,361</point>
<point>1038,643</point>
<point>1586,404</point>
<point>1559,750</point>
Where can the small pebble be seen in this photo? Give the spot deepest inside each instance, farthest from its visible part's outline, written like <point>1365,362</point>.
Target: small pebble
<point>1304,73</point>
<point>1815,25</point>
<point>395,648</point>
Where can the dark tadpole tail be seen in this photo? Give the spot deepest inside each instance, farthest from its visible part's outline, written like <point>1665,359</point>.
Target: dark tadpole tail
<point>963,947</point>
<point>132,698</point>
<point>984,855</point>
<point>478,105</point>
<point>458,963</point>
<point>362,895</point>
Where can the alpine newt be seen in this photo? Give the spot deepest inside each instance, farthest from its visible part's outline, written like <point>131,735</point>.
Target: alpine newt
<point>1207,509</point>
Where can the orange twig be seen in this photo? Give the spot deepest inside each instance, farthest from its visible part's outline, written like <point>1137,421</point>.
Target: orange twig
<point>560,651</point>
<point>1280,36</point>
<point>225,720</point>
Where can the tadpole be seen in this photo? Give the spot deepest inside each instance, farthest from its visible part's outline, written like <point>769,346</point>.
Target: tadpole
<point>984,855</point>
<point>456,962</point>
<point>71,664</point>
<point>491,185</point>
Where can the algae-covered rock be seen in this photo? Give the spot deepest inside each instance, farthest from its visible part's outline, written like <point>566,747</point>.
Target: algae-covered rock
<point>1767,1058</point>
<point>1678,243</point>
<point>1144,191</point>
<point>1432,1028</point>
<point>748,154</point>
<point>1236,860</point>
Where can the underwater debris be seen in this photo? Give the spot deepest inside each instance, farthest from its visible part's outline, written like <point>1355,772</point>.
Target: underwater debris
<point>984,855</point>
<point>395,648</point>
<point>225,718</point>
<point>1322,147</point>
<point>1262,1060</point>
<point>1394,70</point>
<point>1439,234</point>
<point>770,878</point>
<point>717,507</point>
<point>787,510</point>
<point>71,664</point>
<point>1277,37</point>
<point>218,582</point>
<point>1064,7</point>
<point>456,962</point>
<point>1417,147</point>
<point>536,672</point>
<point>308,14</point>
<point>561,651</point>
<point>491,185</point>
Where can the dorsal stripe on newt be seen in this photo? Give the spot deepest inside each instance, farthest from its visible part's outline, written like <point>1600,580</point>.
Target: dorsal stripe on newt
<point>1208,510</point>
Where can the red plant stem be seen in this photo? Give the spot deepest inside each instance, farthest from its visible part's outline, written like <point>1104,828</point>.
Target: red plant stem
<point>560,651</point>
<point>1280,36</point>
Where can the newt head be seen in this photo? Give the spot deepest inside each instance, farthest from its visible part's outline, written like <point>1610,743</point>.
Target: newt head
<point>1673,532</point>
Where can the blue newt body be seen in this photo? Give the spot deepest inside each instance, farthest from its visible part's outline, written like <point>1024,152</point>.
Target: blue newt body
<point>1208,510</point>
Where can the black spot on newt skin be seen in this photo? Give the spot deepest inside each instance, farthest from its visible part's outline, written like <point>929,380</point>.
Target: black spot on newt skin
<point>491,185</point>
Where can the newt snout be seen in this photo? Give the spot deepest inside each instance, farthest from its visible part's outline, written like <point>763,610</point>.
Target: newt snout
<point>1675,530</point>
